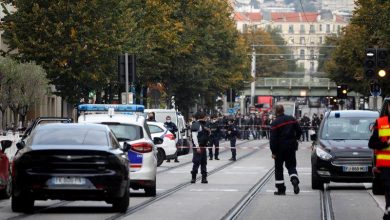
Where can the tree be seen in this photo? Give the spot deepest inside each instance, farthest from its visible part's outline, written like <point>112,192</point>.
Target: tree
<point>22,85</point>
<point>370,26</point>
<point>76,42</point>
<point>279,40</point>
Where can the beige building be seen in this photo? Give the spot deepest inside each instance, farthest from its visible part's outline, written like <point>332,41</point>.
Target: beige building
<point>338,5</point>
<point>305,33</point>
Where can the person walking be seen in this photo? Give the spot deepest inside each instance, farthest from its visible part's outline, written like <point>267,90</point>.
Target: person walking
<point>200,136</point>
<point>305,124</point>
<point>214,137</point>
<point>232,131</point>
<point>173,129</point>
<point>380,142</point>
<point>285,133</point>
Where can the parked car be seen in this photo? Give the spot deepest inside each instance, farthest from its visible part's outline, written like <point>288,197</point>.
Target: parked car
<point>128,125</point>
<point>70,162</point>
<point>5,171</point>
<point>182,140</point>
<point>44,120</point>
<point>167,149</point>
<point>341,152</point>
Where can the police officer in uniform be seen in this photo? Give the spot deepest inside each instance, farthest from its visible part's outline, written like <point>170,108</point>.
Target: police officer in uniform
<point>285,133</point>
<point>232,131</point>
<point>214,137</point>
<point>200,136</point>
<point>380,142</point>
<point>173,129</point>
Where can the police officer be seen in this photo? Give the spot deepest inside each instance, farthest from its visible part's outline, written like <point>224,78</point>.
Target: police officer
<point>200,136</point>
<point>215,129</point>
<point>173,129</point>
<point>380,141</point>
<point>232,131</point>
<point>285,131</point>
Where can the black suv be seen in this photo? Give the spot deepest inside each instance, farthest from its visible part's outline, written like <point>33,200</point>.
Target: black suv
<point>341,152</point>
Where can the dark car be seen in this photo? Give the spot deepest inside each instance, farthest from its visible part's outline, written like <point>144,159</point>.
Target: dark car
<point>44,120</point>
<point>70,162</point>
<point>341,152</point>
<point>5,171</point>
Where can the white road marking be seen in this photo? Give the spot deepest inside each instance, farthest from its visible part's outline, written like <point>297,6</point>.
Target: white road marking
<point>289,191</point>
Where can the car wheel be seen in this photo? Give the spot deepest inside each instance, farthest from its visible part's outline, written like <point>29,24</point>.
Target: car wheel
<point>316,182</point>
<point>377,187</point>
<point>151,191</point>
<point>6,192</point>
<point>22,203</point>
<point>160,156</point>
<point>122,204</point>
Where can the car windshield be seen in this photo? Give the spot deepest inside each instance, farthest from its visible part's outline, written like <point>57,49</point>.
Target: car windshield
<point>70,136</point>
<point>347,128</point>
<point>126,132</point>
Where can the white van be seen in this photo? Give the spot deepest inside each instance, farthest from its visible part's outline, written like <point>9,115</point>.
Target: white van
<point>182,141</point>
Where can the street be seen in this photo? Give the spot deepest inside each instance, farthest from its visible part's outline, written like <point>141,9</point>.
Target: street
<point>230,183</point>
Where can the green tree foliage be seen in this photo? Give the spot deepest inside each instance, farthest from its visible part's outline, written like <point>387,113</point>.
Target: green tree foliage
<point>75,41</point>
<point>21,86</point>
<point>192,47</point>
<point>279,40</point>
<point>269,61</point>
<point>370,27</point>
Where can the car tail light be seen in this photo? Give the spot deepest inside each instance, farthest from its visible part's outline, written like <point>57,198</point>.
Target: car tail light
<point>142,147</point>
<point>170,136</point>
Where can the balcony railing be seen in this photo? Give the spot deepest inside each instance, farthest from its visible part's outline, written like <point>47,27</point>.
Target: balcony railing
<point>295,82</point>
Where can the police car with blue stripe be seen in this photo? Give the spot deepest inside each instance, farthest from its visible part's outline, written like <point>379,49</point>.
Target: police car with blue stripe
<point>129,126</point>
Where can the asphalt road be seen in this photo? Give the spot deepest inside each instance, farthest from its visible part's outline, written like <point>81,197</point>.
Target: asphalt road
<point>229,183</point>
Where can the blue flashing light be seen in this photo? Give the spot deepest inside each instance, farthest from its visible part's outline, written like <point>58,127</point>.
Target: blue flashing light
<point>105,107</point>
<point>337,115</point>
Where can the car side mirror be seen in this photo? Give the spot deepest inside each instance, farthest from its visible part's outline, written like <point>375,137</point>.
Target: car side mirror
<point>5,144</point>
<point>158,140</point>
<point>313,137</point>
<point>20,145</point>
<point>126,147</point>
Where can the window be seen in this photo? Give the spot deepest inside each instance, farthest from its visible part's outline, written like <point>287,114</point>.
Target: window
<point>320,27</point>
<point>347,128</point>
<point>312,54</point>
<point>155,129</point>
<point>311,66</point>
<point>312,29</point>
<point>328,28</point>
<point>291,29</point>
<point>302,54</point>
<point>126,132</point>
<point>321,40</point>
<point>302,40</point>
<point>302,30</point>
<point>279,27</point>
<point>70,136</point>
<point>338,29</point>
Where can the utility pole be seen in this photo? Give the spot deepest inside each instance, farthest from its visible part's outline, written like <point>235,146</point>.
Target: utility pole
<point>253,74</point>
<point>127,76</point>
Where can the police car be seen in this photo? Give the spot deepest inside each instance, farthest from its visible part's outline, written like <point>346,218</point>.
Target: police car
<point>166,150</point>
<point>128,125</point>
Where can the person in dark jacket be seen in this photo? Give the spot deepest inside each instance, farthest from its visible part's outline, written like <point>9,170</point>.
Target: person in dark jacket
<point>305,125</point>
<point>173,129</point>
<point>380,142</point>
<point>285,133</point>
<point>232,132</point>
<point>215,129</point>
<point>200,136</point>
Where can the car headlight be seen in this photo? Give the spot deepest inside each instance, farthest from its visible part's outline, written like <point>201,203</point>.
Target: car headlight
<point>323,154</point>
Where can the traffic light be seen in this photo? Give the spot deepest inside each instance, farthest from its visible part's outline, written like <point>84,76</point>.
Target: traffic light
<point>230,95</point>
<point>375,88</point>
<point>131,68</point>
<point>342,91</point>
<point>382,61</point>
<point>370,63</point>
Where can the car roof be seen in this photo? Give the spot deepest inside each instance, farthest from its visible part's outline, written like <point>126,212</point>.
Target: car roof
<point>353,113</point>
<point>98,127</point>
<point>120,118</point>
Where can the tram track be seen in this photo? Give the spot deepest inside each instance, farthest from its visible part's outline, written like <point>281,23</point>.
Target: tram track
<point>326,204</point>
<point>249,196</point>
<point>150,201</point>
<point>175,189</point>
<point>190,162</point>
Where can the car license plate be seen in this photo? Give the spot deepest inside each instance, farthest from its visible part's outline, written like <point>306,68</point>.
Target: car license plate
<point>355,169</point>
<point>68,181</point>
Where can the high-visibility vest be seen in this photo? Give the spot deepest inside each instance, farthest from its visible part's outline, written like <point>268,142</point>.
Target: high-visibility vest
<point>383,155</point>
